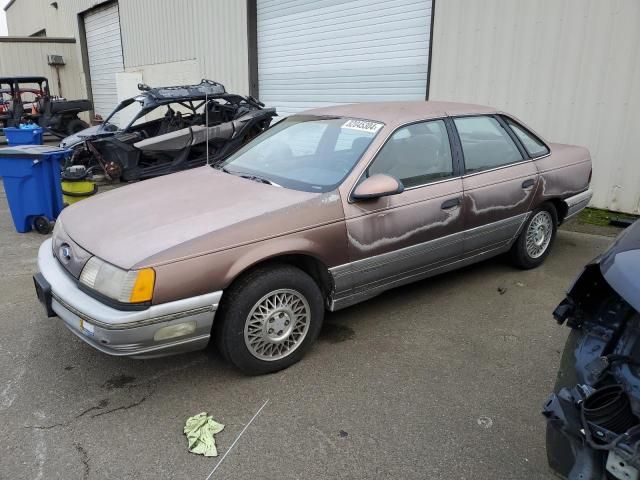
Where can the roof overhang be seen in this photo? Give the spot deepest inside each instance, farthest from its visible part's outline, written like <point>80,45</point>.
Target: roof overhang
<point>6,7</point>
<point>15,39</point>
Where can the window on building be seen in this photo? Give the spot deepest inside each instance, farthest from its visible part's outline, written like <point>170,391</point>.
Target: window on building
<point>533,145</point>
<point>485,144</point>
<point>416,154</point>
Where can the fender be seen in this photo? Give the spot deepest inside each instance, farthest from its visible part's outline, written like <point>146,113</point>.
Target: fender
<point>326,243</point>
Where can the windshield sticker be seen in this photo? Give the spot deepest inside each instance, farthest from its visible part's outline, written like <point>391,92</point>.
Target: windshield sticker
<point>362,125</point>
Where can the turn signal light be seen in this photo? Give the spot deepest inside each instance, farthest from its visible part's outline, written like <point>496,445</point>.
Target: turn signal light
<point>143,287</point>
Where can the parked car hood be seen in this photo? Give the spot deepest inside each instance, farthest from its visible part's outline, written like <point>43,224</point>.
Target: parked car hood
<point>620,265</point>
<point>188,214</point>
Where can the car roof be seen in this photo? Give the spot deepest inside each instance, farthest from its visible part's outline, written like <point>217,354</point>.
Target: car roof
<point>24,79</point>
<point>393,113</point>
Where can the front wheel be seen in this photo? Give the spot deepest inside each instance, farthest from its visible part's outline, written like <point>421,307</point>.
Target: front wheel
<point>269,318</point>
<point>536,239</point>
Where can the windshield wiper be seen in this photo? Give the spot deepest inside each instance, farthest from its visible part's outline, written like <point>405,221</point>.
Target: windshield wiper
<point>255,178</point>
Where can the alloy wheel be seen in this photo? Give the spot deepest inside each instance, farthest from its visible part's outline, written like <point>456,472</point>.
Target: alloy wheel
<point>277,324</point>
<point>538,235</point>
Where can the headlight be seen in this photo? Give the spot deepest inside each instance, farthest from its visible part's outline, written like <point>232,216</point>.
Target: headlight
<point>133,286</point>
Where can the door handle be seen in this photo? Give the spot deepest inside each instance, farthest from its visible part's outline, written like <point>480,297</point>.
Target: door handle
<point>452,202</point>
<point>528,183</point>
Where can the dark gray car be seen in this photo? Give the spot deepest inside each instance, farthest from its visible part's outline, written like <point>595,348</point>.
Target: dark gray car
<point>593,429</point>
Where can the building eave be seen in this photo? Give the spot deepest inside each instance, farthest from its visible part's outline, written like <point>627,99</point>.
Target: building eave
<point>6,7</point>
<point>14,39</point>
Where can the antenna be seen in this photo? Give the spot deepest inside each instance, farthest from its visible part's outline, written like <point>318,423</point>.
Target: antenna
<point>206,121</point>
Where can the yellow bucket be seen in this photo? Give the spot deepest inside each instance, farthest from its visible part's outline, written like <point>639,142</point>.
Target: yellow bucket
<point>74,191</point>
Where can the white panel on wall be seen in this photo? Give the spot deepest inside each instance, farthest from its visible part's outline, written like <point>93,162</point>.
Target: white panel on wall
<point>127,87</point>
<point>314,53</point>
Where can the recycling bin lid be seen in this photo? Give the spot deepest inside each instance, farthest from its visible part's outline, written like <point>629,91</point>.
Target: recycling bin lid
<point>30,151</point>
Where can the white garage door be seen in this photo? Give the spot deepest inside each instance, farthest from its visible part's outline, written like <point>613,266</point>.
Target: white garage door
<point>104,49</point>
<point>321,52</point>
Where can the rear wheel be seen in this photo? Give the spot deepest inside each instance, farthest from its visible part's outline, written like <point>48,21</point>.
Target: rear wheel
<point>269,319</point>
<point>536,239</point>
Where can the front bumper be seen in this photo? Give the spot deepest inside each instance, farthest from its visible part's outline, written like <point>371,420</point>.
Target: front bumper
<point>126,333</point>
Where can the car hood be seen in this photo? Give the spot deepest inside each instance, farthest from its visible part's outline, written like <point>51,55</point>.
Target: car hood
<point>79,137</point>
<point>620,265</point>
<point>190,213</point>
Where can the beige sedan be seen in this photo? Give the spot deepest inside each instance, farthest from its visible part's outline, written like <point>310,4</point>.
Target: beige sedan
<point>324,210</point>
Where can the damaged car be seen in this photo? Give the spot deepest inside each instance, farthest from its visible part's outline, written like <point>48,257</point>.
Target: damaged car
<point>168,129</point>
<point>327,208</point>
<point>593,416</point>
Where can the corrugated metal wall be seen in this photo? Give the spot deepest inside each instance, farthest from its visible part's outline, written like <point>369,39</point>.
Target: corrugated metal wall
<point>21,58</point>
<point>212,32</point>
<point>569,68</point>
<point>155,32</point>
<point>25,17</point>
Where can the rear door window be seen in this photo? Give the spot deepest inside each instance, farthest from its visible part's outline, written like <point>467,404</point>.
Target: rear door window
<point>485,143</point>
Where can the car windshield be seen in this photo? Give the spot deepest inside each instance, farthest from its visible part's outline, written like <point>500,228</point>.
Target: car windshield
<point>308,153</point>
<point>122,115</point>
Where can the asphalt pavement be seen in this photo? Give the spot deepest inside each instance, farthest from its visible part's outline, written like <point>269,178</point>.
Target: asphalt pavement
<point>441,379</point>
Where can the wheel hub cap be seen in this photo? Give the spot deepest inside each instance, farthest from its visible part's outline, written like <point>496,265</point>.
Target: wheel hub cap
<point>538,235</point>
<point>277,324</point>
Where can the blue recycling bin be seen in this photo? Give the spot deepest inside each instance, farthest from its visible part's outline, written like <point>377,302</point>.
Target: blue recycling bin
<point>31,177</point>
<point>23,136</point>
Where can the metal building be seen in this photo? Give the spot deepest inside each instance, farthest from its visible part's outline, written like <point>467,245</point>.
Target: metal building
<point>32,55</point>
<point>160,42</point>
<point>569,68</point>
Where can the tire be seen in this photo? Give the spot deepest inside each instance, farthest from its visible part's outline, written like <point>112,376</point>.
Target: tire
<point>262,343</point>
<point>75,125</point>
<point>42,225</point>
<point>543,217</point>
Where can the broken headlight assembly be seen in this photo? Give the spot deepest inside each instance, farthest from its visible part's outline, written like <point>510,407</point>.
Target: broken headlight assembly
<point>123,286</point>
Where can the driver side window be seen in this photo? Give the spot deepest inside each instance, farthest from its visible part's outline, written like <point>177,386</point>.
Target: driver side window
<point>416,154</point>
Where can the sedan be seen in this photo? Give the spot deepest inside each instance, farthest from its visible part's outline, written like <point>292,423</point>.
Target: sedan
<point>323,210</point>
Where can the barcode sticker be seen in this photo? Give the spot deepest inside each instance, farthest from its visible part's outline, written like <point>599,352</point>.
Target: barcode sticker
<point>362,125</point>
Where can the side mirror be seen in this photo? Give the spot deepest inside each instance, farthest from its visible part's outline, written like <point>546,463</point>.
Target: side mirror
<point>376,186</point>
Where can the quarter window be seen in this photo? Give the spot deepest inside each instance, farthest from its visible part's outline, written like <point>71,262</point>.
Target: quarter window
<point>416,154</point>
<point>485,144</point>
<point>532,145</point>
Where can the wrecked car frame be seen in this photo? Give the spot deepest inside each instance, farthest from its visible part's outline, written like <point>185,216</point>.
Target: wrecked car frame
<point>593,429</point>
<point>185,135</point>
